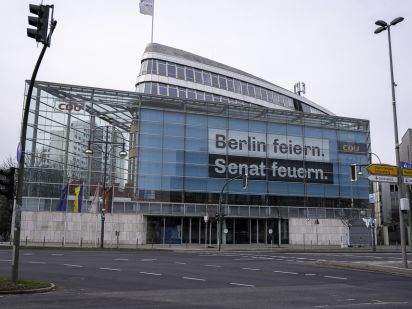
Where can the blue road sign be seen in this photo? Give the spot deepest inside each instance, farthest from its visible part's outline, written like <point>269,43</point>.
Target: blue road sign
<point>405,165</point>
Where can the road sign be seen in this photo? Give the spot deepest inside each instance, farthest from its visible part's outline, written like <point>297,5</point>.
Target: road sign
<point>381,178</point>
<point>407,172</point>
<point>371,198</point>
<point>382,169</point>
<point>407,180</point>
<point>405,165</point>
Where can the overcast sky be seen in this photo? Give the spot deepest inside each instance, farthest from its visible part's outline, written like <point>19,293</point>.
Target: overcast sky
<point>328,44</point>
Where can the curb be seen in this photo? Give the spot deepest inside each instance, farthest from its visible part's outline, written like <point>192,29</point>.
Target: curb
<point>31,291</point>
<point>363,267</point>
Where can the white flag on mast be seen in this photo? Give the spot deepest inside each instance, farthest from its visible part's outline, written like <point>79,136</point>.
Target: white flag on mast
<point>94,206</point>
<point>146,7</point>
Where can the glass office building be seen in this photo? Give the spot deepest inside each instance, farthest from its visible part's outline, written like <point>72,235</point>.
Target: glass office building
<point>190,128</point>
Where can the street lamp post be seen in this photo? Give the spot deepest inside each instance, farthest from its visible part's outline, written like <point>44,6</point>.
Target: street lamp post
<point>122,154</point>
<point>382,27</point>
<point>220,214</point>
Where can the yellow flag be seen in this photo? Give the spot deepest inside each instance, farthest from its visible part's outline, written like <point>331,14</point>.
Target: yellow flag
<point>76,199</point>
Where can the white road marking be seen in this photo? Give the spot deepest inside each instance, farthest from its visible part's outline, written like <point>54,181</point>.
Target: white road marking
<point>35,262</point>
<point>242,284</point>
<point>196,279</point>
<point>180,263</point>
<point>247,268</point>
<point>289,260</point>
<point>113,269</point>
<point>5,260</point>
<point>146,273</point>
<point>148,260</point>
<point>346,299</point>
<point>310,274</point>
<point>27,253</point>
<point>72,265</point>
<point>211,265</point>
<point>300,261</point>
<point>120,259</point>
<point>285,272</point>
<point>333,277</point>
<point>57,254</point>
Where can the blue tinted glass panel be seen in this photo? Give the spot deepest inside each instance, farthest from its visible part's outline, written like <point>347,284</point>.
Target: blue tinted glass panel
<point>313,132</point>
<point>150,127</point>
<point>180,72</point>
<point>154,141</point>
<point>196,170</point>
<point>215,82</point>
<point>150,168</point>
<point>207,79</point>
<point>294,130</point>
<point>170,155</point>
<point>152,115</point>
<point>173,92</point>
<point>275,128</point>
<point>172,117</point>
<point>149,182</point>
<point>170,142</point>
<point>172,169</point>
<point>198,77</point>
<point>175,130</point>
<point>238,124</point>
<point>257,126</point>
<point>195,144</point>
<point>171,70</point>
<point>196,120</point>
<point>172,183</point>
<point>196,184</point>
<point>190,75</point>
<point>217,122</point>
<point>162,68</point>
<point>150,154</point>
<point>196,132</point>
<point>315,189</point>
<point>197,157</point>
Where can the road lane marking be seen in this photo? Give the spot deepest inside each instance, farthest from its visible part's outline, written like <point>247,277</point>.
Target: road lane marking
<point>120,259</point>
<point>57,254</point>
<point>180,263</point>
<point>113,269</point>
<point>72,265</point>
<point>310,274</point>
<point>35,262</point>
<point>333,277</point>
<point>242,284</point>
<point>212,265</point>
<point>346,299</point>
<point>196,279</point>
<point>27,253</point>
<point>146,273</point>
<point>148,260</point>
<point>5,260</point>
<point>247,268</point>
<point>285,272</point>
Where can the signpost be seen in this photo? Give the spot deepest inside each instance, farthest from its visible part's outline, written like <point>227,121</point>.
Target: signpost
<point>407,172</point>
<point>382,169</point>
<point>381,178</point>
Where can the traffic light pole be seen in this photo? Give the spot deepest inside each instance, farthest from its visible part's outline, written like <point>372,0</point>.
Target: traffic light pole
<point>20,175</point>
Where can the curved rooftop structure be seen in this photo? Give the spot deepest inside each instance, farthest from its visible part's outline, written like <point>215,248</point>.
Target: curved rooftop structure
<point>176,73</point>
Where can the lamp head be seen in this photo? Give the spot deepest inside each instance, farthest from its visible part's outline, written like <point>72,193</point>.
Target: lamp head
<point>396,21</point>
<point>381,23</point>
<point>379,30</point>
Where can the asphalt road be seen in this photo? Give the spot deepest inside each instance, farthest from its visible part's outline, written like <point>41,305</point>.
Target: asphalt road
<point>202,279</point>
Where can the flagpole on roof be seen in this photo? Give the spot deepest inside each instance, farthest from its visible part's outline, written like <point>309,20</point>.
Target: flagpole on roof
<point>152,22</point>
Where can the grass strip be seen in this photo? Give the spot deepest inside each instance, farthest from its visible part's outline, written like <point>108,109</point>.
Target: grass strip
<point>7,285</point>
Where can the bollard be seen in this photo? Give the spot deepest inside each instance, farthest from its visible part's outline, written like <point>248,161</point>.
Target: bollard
<point>62,242</point>
<point>137,242</point>
<point>311,243</point>
<point>329,242</point>
<point>98,242</point>
<point>44,240</point>
<point>81,242</point>
<point>26,241</point>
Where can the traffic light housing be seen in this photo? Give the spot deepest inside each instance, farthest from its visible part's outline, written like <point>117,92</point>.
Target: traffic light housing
<point>7,182</point>
<point>353,172</point>
<point>41,22</point>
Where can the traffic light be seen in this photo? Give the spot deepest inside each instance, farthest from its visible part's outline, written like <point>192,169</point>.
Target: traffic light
<point>41,22</point>
<point>7,182</point>
<point>244,180</point>
<point>217,216</point>
<point>353,172</point>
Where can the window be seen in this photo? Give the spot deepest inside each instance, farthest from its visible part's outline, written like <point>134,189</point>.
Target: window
<point>198,76</point>
<point>180,72</point>
<point>200,95</point>
<point>171,70</point>
<point>154,88</point>
<point>190,75</point>
<point>258,93</point>
<point>217,98</point>
<point>191,94</point>
<point>182,93</point>
<point>222,82</point>
<point>215,82</point>
<point>264,95</point>
<point>208,97</point>
<point>162,68</point>
<point>144,67</point>
<point>162,89</point>
<point>251,90</point>
<point>230,84</point>
<point>206,78</point>
<point>173,92</point>
<point>244,88</point>
<point>238,88</point>
<point>147,88</point>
